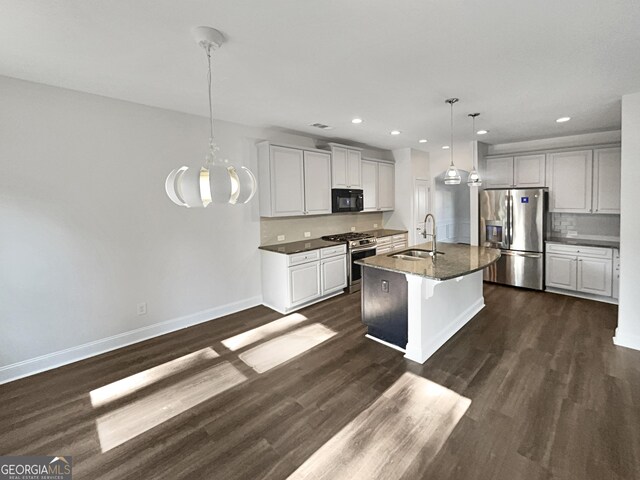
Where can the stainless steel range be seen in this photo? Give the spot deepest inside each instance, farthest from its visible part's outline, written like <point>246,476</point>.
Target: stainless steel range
<point>359,246</point>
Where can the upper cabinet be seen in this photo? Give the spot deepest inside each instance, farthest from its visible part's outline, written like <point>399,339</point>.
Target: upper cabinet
<point>346,166</point>
<point>378,185</point>
<point>585,181</point>
<point>606,180</point>
<point>569,177</point>
<point>293,181</point>
<point>517,171</point>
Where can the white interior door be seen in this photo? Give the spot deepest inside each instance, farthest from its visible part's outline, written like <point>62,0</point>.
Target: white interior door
<point>420,209</point>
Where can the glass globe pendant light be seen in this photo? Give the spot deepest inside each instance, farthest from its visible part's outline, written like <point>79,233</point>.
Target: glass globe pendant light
<point>474,177</point>
<point>452,176</point>
<point>218,181</point>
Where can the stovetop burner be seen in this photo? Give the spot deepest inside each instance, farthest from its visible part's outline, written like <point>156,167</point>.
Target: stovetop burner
<point>347,237</point>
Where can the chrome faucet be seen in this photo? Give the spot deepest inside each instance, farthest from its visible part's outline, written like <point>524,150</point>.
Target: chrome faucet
<point>433,230</point>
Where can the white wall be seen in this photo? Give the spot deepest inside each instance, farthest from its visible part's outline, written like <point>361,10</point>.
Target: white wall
<point>628,331</point>
<point>87,231</point>
<point>411,164</point>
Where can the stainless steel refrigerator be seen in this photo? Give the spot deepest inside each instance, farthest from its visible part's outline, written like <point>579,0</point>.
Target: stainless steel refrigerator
<point>514,221</point>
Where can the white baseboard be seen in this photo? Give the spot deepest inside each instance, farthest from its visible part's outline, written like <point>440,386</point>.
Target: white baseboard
<point>628,341</point>
<point>31,366</point>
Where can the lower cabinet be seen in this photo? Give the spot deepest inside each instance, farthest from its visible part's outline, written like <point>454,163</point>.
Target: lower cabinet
<point>580,269</point>
<point>561,272</point>
<point>304,283</point>
<point>391,243</point>
<point>333,274</point>
<point>594,276</point>
<point>290,282</point>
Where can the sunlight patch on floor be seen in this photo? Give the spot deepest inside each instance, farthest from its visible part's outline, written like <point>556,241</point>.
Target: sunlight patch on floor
<point>123,424</point>
<point>275,352</point>
<point>255,335</point>
<point>412,419</point>
<point>121,388</point>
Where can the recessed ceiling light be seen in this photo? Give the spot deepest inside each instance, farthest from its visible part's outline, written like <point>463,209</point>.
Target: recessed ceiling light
<point>395,132</point>
<point>446,147</point>
<point>422,140</point>
<point>356,120</point>
<point>482,132</point>
<point>563,119</point>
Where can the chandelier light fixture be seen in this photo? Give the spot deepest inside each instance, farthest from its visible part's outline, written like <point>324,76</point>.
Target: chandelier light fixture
<point>474,177</point>
<point>218,181</point>
<point>452,176</point>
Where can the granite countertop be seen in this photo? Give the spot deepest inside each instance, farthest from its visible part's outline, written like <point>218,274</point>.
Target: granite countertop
<point>584,242</point>
<point>301,246</point>
<point>455,261</point>
<point>384,232</point>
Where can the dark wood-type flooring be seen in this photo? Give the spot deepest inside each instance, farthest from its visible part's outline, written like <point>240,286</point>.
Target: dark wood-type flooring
<point>537,388</point>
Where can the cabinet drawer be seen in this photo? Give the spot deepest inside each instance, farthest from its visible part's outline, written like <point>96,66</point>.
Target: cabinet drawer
<point>384,249</point>
<point>400,238</point>
<point>303,257</point>
<point>597,252</point>
<point>382,241</point>
<point>399,246</point>
<point>333,251</point>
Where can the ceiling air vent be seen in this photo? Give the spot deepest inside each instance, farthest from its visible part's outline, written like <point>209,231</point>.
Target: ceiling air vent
<point>321,125</point>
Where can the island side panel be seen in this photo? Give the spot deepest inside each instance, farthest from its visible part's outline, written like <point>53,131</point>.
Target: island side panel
<point>385,305</point>
<point>438,309</point>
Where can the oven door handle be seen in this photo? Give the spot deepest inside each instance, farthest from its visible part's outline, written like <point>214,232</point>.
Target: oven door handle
<point>356,250</point>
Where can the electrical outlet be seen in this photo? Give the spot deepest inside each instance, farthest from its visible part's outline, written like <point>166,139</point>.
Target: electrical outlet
<point>307,234</point>
<point>281,238</point>
<point>375,225</point>
<point>385,286</point>
<point>142,308</point>
<point>572,233</point>
<point>353,229</point>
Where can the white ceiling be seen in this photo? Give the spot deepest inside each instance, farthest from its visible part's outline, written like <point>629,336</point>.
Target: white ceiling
<point>289,63</point>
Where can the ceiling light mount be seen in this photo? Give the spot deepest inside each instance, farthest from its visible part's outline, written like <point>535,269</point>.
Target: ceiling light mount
<point>208,38</point>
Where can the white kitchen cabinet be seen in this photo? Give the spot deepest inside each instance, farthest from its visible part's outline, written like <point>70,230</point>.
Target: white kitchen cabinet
<point>606,180</point>
<point>529,171</point>
<point>581,269</point>
<point>317,183</point>
<point>370,185</point>
<point>293,181</point>
<point>594,275</point>
<point>346,165</point>
<point>386,186</point>
<point>290,282</point>
<point>569,178</point>
<point>498,172</point>
<point>561,271</point>
<point>304,283</point>
<point>521,171</point>
<point>378,185</point>
<point>354,166</point>
<point>334,274</point>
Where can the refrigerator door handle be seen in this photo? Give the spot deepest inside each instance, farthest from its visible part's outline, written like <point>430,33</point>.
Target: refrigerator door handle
<point>510,217</point>
<point>521,254</point>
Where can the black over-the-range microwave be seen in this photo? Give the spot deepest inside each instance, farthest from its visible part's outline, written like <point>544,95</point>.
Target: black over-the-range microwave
<point>346,200</point>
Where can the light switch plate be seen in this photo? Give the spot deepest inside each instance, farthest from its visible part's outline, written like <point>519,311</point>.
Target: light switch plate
<point>142,308</point>
<point>385,286</point>
<point>375,225</point>
<point>281,238</point>
<point>353,229</point>
<point>307,234</point>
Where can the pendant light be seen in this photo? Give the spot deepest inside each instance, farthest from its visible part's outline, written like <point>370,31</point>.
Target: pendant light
<point>218,181</point>
<point>474,177</point>
<point>452,176</point>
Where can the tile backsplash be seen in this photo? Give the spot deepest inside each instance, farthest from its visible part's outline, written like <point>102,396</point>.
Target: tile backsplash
<point>585,225</point>
<point>294,228</point>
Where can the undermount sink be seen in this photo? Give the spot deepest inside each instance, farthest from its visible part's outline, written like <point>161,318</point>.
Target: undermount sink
<point>415,254</point>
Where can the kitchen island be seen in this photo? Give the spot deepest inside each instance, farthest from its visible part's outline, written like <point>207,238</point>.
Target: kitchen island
<point>415,301</point>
